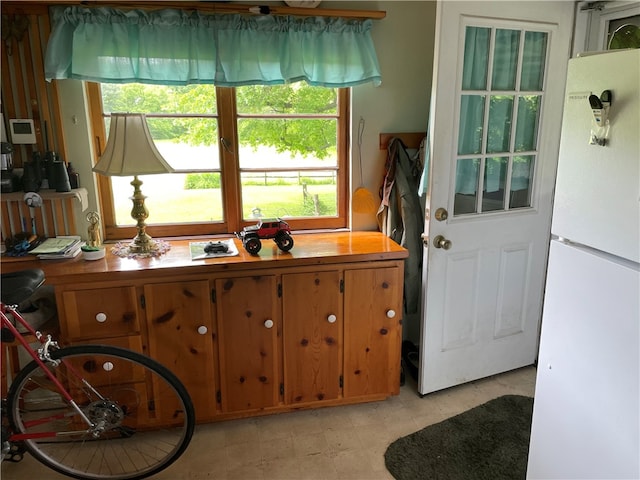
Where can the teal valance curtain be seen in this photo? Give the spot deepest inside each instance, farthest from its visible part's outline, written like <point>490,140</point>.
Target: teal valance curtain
<point>176,47</point>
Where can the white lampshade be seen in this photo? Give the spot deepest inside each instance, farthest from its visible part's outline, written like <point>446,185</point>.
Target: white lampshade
<point>130,149</point>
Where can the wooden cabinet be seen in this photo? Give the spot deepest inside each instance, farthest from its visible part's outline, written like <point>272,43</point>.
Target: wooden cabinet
<point>247,335</point>
<point>180,332</point>
<point>373,334</point>
<point>248,326</point>
<point>312,336</point>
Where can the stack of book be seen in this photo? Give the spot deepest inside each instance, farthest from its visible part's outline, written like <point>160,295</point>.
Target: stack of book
<point>58,247</point>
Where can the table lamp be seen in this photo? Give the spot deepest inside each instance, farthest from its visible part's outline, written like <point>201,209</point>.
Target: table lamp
<point>130,151</point>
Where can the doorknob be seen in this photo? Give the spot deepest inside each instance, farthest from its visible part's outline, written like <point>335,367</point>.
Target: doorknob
<point>441,214</point>
<point>441,242</point>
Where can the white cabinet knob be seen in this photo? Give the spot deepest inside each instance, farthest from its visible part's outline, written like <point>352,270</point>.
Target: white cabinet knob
<point>202,329</point>
<point>391,313</point>
<point>101,317</point>
<point>268,323</point>
<point>332,318</point>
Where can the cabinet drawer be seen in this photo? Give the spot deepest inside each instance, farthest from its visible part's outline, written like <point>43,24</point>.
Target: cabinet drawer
<point>110,370</point>
<point>99,313</point>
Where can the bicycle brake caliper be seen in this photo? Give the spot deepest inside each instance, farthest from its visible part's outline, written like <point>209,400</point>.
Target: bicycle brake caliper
<point>43,352</point>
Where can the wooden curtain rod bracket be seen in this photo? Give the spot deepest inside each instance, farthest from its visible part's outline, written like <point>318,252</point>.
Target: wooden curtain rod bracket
<point>410,139</point>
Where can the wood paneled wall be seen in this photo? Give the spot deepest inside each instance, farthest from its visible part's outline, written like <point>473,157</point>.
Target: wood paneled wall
<point>25,92</point>
<point>54,218</point>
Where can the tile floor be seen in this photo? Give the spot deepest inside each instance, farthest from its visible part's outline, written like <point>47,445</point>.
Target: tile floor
<point>329,443</point>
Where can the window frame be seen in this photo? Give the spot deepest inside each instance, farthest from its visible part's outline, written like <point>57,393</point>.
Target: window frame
<point>227,117</point>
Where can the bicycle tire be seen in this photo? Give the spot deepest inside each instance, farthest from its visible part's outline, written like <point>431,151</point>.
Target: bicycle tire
<point>146,413</point>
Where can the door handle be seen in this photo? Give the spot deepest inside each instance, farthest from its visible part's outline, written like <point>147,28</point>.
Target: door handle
<point>441,214</point>
<point>441,242</point>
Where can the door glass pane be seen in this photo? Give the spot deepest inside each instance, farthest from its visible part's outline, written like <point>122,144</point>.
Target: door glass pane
<point>499,134</point>
<point>527,123</point>
<point>534,56</point>
<point>521,180</point>
<point>505,59</point>
<point>499,124</point>
<point>471,123</point>
<point>467,171</point>
<point>495,173</point>
<point>476,58</point>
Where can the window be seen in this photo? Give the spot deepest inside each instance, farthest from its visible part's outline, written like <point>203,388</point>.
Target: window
<point>500,101</point>
<point>240,154</point>
<point>624,33</point>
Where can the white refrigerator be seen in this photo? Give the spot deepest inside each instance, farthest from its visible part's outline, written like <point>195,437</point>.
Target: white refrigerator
<point>586,414</point>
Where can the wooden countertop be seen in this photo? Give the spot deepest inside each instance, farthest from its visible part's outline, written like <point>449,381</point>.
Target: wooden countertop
<point>309,249</point>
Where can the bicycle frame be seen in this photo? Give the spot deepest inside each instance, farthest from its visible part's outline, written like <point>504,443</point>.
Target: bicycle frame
<point>41,357</point>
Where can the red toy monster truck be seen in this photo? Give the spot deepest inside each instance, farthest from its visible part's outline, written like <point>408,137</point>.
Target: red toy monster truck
<point>268,228</point>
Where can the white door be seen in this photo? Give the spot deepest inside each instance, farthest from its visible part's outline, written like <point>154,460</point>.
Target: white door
<point>498,90</point>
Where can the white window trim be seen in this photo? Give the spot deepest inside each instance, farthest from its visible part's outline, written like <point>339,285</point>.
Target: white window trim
<point>592,26</point>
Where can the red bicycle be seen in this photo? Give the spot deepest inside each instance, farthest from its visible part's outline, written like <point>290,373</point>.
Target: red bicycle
<point>89,411</point>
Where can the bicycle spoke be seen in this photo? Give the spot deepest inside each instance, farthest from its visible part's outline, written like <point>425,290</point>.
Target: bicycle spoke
<point>141,417</point>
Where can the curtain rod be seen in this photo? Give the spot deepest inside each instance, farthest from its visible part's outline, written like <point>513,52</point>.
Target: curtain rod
<point>209,6</point>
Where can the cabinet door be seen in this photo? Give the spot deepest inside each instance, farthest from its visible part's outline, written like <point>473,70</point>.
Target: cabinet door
<point>99,313</point>
<point>248,329</point>
<point>373,331</point>
<point>312,336</point>
<point>180,329</point>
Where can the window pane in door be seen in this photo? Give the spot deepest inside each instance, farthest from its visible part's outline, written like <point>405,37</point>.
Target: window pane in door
<point>476,58</point>
<point>527,123</point>
<point>521,180</point>
<point>505,59</point>
<point>467,171</point>
<point>499,133</point>
<point>533,61</point>
<point>495,173</point>
<point>471,124</point>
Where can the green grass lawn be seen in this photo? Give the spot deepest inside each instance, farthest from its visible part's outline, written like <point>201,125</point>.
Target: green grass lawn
<point>187,206</point>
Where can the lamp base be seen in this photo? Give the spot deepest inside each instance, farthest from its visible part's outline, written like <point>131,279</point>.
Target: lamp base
<point>143,243</point>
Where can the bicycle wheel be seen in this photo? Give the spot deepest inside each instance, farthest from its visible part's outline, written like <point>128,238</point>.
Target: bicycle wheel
<point>143,418</point>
